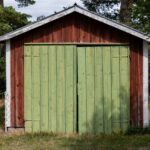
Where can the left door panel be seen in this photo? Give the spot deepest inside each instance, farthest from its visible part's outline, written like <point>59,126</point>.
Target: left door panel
<point>50,88</point>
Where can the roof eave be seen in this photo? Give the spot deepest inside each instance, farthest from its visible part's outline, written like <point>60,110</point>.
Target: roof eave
<point>70,10</point>
<point>37,24</point>
<point>112,23</point>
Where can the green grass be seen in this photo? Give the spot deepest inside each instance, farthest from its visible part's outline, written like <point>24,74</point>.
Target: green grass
<point>2,118</point>
<point>44,141</point>
<point>73,142</point>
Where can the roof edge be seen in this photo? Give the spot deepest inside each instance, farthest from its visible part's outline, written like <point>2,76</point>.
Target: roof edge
<point>36,24</point>
<point>80,10</point>
<point>113,23</point>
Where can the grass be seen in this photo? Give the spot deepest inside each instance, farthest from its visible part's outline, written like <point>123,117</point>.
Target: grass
<point>45,141</point>
<point>73,142</point>
<point>2,113</point>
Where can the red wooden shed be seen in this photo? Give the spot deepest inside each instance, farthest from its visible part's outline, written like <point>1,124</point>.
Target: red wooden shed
<point>84,31</point>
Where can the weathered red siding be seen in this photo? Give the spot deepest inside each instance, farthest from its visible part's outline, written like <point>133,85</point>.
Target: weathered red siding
<point>136,82</point>
<point>76,28</point>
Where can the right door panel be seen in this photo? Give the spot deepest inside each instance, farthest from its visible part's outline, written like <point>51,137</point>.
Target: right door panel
<point>103,89</point>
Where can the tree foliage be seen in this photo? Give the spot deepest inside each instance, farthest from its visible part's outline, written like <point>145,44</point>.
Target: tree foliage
<point>9,21</point>
<point>104,7</point>
<point>25,3</point>
<point>110,8</point>
<point>141,15</point>
<point>126,11</point>
<point>2,69</point>
<point>2,3</point>
<point>21,3</point>
<point>131,12</point>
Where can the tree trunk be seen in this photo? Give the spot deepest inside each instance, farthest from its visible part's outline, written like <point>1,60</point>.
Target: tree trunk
<point>2,3</point>
<point>125,11</point>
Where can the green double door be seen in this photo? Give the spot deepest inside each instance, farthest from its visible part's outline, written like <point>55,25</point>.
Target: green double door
<point>70,88</point>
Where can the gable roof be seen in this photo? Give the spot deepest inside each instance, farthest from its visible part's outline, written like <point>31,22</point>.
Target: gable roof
<point>80,10</point>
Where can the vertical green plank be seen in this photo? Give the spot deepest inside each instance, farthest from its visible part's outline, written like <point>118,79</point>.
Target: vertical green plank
<point>90,89</point>
<point>107,88</point>
<point>128,87</point>
<point>60,89</point>
<point>27,89</point>
<point>124,87</point>
<point>44,87</point>
<point>75,123</point>
<point>115,89</point>
<point>36,88</point>
<point>69,88</point>
<point>99,99</point>
<point>52,88</point>
<point>82,89</point>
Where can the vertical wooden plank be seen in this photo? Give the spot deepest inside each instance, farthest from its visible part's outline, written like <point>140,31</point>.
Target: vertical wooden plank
<point>124,87</point>
<point>128,85</point>
<point>50,35</point>
<point>106,34</point>
<point>46,33</point>
<point>69,107</point>
<point>81,30</point>
<point>36,88</point>
<point>12,83</point>
<point>57,31</point>
<point>52,88</point>
<point>141,82</point>
<point>115,58</point>
<point>28,37</point>
<point>82,89</point>
<point>90,89</point>
<point>77,24</point>
<point>17,83</point>
<point>136,82</point>
<point>75,92</point>
<point>44,87</point>
<point>19,79</point>
<point>60,89</point>
<point>107,88</point>
<point>67,28</point>
<point>19,118</point>
<point>99,98</point>
<point>74,29</point>
<point>133,90</point>
<point>20,103</point>
<point>27,89</point>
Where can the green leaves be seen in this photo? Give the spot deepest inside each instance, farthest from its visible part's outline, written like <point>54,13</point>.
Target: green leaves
<point>103,7</point>
<point>10,20</point>
<point>25,3</point>
<point>132,12</point>
<point>2,69</point>
<point>141,15</point>
<point>4,27</point>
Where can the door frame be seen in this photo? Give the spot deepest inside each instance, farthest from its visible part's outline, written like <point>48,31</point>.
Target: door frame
<point>82,45</point>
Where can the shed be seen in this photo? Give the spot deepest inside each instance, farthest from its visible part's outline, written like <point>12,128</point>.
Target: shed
<point>76,71</point>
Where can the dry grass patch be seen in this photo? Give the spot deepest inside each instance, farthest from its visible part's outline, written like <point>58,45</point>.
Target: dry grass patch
<point>2,114</point>
<point>44,141</point>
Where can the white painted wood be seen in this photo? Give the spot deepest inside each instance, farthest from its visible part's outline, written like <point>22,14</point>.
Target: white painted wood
<point>8,87</point>
<point>145,85</point>
<point>82,11</point>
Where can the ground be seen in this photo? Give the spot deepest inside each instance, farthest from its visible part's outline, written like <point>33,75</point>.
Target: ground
<point>45,141</point>
<point>73,142</point>
<point>1,114</point>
